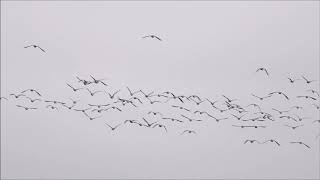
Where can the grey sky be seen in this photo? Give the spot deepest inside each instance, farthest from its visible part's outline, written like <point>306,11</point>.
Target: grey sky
<point>208,48</point>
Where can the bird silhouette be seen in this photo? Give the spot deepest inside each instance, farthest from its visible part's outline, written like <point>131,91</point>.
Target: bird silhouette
<point>132,92</point>
<point>173,119</point>
<point>280,93</point>
<point>74,89</point>
<point>261,98</point>
<point>92,93</point>
<point>113,128</point>
<point>308,81</point>
<point>271,140</point>
<point>35,46</point>
<point>313,92</point>
<point>160,126</point>
<point>307,97</point>
<point>189,132</point>
<point>262,69</point>
<point>292,80</point>
<point>33,100</point>
<point>299,142</point>
<point>152,36</point>
<point>251,141</point>
<point>97,81</point>
<point>190,119</point>
<point>148,124</point>
<point>31,90</point>
<point>293,127</point>
<point>26,108</point>
<point>17,95</point>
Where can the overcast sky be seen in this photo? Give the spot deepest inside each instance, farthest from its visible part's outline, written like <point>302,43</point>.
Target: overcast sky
<point>208,49</point>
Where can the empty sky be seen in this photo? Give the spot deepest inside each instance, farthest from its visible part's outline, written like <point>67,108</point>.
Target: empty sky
<point>208,48</point>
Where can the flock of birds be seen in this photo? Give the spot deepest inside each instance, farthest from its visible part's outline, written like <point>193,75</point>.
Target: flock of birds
<point>189,107</point>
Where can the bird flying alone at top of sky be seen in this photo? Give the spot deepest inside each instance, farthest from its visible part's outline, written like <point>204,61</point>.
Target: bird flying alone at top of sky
<point>152,36</point>
<point>262,69</point>
<point>35,46</point>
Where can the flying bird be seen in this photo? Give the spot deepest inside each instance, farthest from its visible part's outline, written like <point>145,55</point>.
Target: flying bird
<point>292,80</point>
<point>74,89</point>
<point>160,126</point>
<point>299,142</point>
<point>307,97</point>
<point>92,93</point>
<point>262,69</point>
<point>189,132</point>
<point>31,90</point>
<point>273,141</point>
<point>17,96</point>
<point>293,127</point>
<point>113,128</point>
<point>26,108</point>
<point>261,98</point>
<point>35,46</point>
<point>32,100</point>
<point>148,124</point>
<point>280,93</point>
<point>308,81</point>
<point>152,36</point>
<point>251,141</point>
<point>132,93</point>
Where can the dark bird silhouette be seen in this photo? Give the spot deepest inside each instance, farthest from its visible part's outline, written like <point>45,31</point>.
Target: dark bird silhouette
<point>273,141</point>
<point>228,99</point>
<point>289,117</point>
<point>293,80</point>
<point>85,82</point>
<point>55,102</point>
<point>280,93</point>
<point>97,81</point>
<point>113,94</point>
<point>155,113</point>
<point>26,108</point>
<point>241,126</point>
<point>68,107</point>
<point>147,95</point>
<point>113,128</point>
<point>189,132</point>
<point>51,107</point>
<point>160,126</point>
<point>299,142</point>
<point>74,101</point>
<point>296,107</point>
<point>300,118</point>
<point>3,98</point>
<point>307,97</point>
<point>92,93</point>
<point>99,105</point>
<point>74,89</point>
<point>254,119</point>
<point>17,96</point>
<point>293,127</point>
<point>280,112</point>
<point>33,100</point>
<point>31,90</point>
<point>92,118</point>
<point>261,98</point>
<point>212,103</point>
<point>190,119</point>
<point>135,98</point>
<point>182,108</point>
<point>35,46</point>
<point>116,108</point>
<point>251,141</point>
<point>152,102</point>
<point>130,121</point>
<point>132,92</point>
<point>262,69</point>
<point>99,110</point>
<point>152,36</point>
<point>308,81</point>
<point>197,102</point>
<point>148,124</point>
<point>173,119</point>
<point>82,110</point>
<point>238,117</point>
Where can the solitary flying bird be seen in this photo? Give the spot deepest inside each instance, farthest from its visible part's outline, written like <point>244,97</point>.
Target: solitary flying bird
<point>35,46</point>
<point>262,69</point>
<point>152,36</point>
